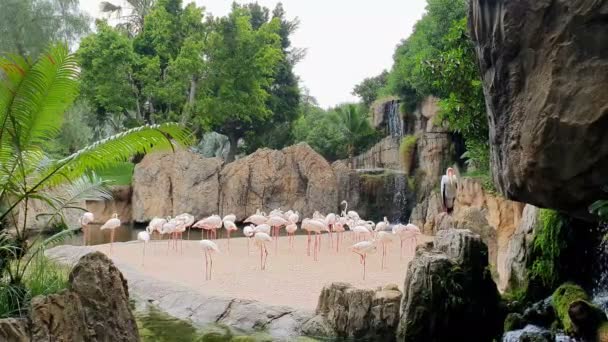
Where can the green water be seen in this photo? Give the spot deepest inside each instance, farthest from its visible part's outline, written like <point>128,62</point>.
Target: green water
<point>156,326</point>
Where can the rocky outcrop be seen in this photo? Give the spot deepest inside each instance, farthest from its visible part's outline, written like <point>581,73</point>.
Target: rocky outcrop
<point>94,307</point>
<point>349,184</point>
<point>491,216</point>
<point>120,204</point>
<point>296,177</point>
<point>347,312</point>
<point>14,330</point>
<point>168,184</point>
<point>448,291</point>
<point>384,155</point>
<point>379,111</point>
<point>545,74</point>
<point>519,250</point>
<point>282,323</point>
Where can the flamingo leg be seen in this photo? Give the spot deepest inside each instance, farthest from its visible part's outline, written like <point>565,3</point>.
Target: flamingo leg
<point>265,256</point>
<point>261,258</point>
<point>228,232</point>
<point>248,246</point>
<point>308,247</point>
<point>364,257</point>
<point>210,265</point>
<point>206,266</point>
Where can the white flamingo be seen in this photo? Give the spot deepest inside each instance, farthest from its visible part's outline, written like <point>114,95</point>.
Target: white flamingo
<point>257,219</point>
<point>155,226</point>
<point>210,224</point>
<point>229,217</point>
<point>364,248</point>
<point>144,237</point>
<point>262,228</point>
<point>230,227</point>
<point>294,217</point>
<point>84,221</point>
<point>111,224</point>
<point>188,220</point>
<point>382,225</point>
<point>350,214</point>
<point>260,240</point>
<point>313,226</point>
<point>330,222</point>
<point>209,247</point>
<point>276,222</point>
<point>449,187</point>
<point>168,228</point>
<point>248,231</point>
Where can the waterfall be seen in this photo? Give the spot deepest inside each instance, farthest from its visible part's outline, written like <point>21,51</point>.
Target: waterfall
<point>600,272</point>
<point>399,191</point>
<point>393,116</point>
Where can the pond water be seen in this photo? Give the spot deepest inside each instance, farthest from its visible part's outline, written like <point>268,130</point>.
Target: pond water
<point>156,326</point>
<point>129,233</point>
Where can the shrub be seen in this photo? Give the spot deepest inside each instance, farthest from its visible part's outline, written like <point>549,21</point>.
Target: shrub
<point>546,248</point>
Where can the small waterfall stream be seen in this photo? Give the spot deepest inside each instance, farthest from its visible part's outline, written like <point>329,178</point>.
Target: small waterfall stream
<point>600,272</point>
<point>392,114</point>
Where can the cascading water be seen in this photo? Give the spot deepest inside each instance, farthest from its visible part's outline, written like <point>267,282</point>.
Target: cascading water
<point>393,116</point>
<point>600,281</point>
<point>398,187</point>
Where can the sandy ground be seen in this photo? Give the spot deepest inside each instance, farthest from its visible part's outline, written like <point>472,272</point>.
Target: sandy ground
<point>291,277</point>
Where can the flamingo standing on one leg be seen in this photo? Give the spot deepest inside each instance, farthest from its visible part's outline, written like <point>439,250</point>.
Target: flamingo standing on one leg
<point>145,237</point>
<point>260,240</point>
<point>111,224</point>
<point>84,221</point>
<point>385,239</point>
<point>364,248</point>
<point>209,247</point>
<point>230,227</point>
<point>330,221</point>
<point>209,224</point>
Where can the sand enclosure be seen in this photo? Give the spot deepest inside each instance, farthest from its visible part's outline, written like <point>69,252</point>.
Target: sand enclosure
<point>291,277</point>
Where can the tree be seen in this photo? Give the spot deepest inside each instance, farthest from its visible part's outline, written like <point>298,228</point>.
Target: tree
<point>315,127</point>
<point>453,75</point>
<point>133,22</point>
<point>33,99</point>
<point>354,124</point>
<point>28,26</point>
<point>369,89</point>
<point>241,63</point>
<point>107,61</point>
<point>284,99</point>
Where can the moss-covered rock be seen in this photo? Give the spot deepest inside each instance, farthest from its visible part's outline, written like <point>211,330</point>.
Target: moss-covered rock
<point>577,315</point>
<point>514,321</point>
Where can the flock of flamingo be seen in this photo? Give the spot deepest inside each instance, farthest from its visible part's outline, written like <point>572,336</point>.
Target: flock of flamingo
<point>264,229</point>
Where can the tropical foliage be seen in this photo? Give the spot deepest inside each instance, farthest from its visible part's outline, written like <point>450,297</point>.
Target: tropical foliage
<point>33,100</point>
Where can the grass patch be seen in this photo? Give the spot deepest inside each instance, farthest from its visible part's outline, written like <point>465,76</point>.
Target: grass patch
<point>406,150</point>
<point>43,277</point>
<point>119,174</point>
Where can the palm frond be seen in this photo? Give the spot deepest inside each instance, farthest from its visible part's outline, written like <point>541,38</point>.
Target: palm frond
<point>108,7</point>
<point>47,91</point>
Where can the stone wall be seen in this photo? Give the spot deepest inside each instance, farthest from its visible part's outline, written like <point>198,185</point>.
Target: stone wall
<point>384,155</point>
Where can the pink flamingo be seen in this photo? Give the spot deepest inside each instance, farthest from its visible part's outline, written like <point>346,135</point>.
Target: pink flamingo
<point>209,224</point>
<point>111,224</point>
<point>313,226</point>
<point>260,240</point>
<point>339,229</point>
<point>257,219</point>
<point>291,230</point>
<point>209,247</point>
<point>276,222</point>
<point>84,221</point>
<point>187,220</point>
<point>385,238</point>
<point>364,248</point>
<point>330,221</point>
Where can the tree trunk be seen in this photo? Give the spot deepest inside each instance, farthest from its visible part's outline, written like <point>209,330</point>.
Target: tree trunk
<point>233,147</point>
<point>191,98</point>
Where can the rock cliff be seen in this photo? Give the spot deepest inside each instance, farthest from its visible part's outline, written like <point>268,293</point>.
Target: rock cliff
<point>544,66</point>
<point>296,178</point>
<point>168,184</point>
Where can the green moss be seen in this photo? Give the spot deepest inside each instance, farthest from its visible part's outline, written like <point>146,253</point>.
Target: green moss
<point>546,248</point>
<point>562,298</point>
<point>514,321</point>
<point>406,149</point>
<point>411,183</point>
<point>602,332</point>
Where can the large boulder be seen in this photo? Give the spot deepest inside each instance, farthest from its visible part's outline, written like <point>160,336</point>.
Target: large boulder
<point>296,178</point>
<point>94,307</point>
<point>448,291</point>
<point>545,73</point>
<point>520,250</point>
<point>348,312</point>
<point>168,184</point>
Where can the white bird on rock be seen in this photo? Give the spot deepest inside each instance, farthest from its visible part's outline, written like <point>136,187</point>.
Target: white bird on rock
<point>449,187</point>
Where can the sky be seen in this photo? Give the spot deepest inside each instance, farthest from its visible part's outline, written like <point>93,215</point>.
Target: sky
<point>346,40</point>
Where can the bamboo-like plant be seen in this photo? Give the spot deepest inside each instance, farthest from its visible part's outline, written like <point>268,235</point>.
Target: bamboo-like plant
<point>33,98</point>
